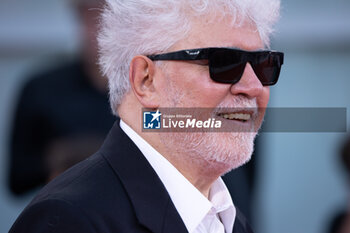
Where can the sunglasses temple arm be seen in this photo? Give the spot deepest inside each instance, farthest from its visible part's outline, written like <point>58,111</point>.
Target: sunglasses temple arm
<point>193,54</point>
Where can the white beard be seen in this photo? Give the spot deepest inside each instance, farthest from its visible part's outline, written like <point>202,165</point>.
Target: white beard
<point>210,150</point>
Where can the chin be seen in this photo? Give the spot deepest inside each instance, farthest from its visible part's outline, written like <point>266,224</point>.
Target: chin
<point>215,152</point>
<point>228,151</point>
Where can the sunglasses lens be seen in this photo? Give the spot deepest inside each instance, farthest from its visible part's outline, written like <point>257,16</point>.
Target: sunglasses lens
<point>267,70</point>
<point>225,66</point>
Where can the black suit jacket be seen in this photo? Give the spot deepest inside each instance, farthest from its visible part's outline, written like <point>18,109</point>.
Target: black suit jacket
<point>114,190</point>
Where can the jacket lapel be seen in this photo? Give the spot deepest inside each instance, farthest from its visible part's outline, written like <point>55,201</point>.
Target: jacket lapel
<point>153,206</point>
<point>241,225</point>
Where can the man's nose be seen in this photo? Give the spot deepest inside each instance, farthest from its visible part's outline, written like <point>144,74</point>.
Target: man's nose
<point>249,85</point>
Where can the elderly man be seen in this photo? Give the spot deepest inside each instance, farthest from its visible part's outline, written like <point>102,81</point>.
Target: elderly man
<point>168,54</point>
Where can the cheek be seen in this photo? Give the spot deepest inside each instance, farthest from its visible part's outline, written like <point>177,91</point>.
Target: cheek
<point>196,87</point>
<point>204,93</point>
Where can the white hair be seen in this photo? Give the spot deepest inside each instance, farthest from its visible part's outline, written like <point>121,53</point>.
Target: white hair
<point>135,27</point>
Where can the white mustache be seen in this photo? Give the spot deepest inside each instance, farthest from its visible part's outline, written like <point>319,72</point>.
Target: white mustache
<point>238,104</point>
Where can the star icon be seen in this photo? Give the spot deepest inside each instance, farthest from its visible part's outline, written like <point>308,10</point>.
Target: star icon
<point>156,115</point>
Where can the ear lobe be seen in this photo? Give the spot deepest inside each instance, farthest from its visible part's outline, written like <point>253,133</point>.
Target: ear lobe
<point>141,76</point>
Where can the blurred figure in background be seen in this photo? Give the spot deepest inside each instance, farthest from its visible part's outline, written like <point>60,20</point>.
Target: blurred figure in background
<point>341,222</point>
<point>66,152</point>
<point>59,108</point>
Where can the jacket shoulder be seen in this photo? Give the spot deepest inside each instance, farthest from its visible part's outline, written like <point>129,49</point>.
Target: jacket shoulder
<point>90,194</point>
<point>52,215</point>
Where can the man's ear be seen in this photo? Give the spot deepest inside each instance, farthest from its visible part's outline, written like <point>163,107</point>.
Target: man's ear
<point>142,80</point>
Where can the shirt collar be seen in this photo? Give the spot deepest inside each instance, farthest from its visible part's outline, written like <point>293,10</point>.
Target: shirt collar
<point>191,204</point>
<point>222,204</point>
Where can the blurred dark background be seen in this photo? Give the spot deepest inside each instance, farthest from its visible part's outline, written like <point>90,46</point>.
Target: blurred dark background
<point>300,182</point>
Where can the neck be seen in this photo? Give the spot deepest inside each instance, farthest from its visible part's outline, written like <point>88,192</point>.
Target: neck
<point>202,174</point>
<point>199,172</point>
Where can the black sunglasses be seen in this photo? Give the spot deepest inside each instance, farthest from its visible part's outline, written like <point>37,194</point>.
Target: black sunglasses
<point>226,65</point>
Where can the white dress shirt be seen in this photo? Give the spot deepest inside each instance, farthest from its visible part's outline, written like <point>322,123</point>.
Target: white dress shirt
<point>199,214</point>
